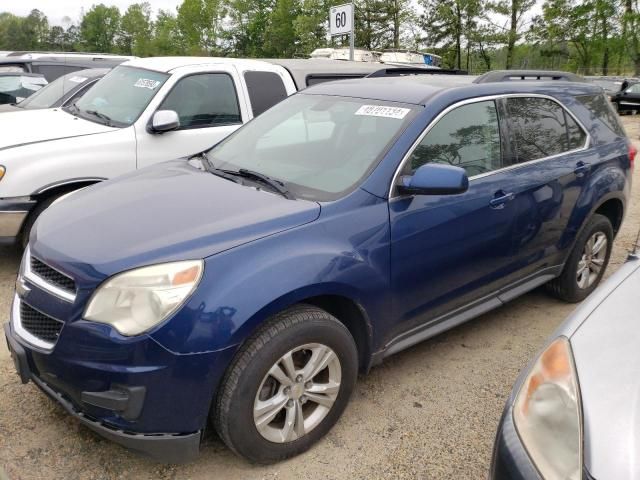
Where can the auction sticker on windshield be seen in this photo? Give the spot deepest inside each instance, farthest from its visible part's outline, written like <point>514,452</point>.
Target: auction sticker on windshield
<point>77,79</point>
<point>146,83</point>
<point>383,111</point>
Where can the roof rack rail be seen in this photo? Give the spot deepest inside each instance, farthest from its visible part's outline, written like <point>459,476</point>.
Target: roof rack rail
<point>394,71</point>
<point>528,75</point>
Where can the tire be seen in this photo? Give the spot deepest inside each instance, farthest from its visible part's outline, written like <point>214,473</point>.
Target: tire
<point>248,380</point>
<point>33,216</point>
<point>573,287</point>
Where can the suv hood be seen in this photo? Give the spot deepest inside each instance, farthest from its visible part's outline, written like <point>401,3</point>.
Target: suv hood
<point>167,212</point>
<point>606,348</point>
<point>34,126</point>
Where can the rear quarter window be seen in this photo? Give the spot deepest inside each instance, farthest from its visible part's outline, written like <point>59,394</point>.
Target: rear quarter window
<point>542,128</point>
<point>601,108</point>
<point>265,90</point>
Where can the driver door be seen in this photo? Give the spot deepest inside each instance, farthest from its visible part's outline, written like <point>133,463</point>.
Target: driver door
<point>448,250</point>
<point>209,109</point>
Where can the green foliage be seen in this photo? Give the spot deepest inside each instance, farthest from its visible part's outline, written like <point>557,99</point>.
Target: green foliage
<point>99,28</point>
<point>136,30</point>
<point>588,36</point>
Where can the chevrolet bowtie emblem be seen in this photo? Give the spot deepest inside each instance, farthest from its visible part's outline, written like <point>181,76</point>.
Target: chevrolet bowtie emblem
<point>21,287</point>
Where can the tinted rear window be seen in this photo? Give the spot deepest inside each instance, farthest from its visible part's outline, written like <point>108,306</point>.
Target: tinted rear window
<point>265,90</point>
<point>541,128</point>
<point>601,108</point>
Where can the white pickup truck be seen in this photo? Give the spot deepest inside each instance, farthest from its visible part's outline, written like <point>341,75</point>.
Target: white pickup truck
<point>143,112</point>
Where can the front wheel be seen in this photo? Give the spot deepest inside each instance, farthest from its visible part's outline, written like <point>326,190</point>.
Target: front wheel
<point>287,386</point>
<point>586,264</point>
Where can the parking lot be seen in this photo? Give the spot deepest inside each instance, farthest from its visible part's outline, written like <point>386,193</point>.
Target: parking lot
<point>428,412</point>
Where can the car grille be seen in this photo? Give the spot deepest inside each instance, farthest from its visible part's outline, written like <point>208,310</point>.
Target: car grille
<point>52,276</point>
<point>38,324</point>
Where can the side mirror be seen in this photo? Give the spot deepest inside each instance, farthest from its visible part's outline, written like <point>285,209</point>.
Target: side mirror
<point>435,179</point>
<point>164,121</point>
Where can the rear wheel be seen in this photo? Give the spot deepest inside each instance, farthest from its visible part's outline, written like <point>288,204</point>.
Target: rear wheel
<point>587,263</point>
<point>288,385</point>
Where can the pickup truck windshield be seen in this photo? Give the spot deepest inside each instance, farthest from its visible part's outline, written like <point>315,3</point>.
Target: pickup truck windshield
<point>320,147</point>
<point>121,96</point>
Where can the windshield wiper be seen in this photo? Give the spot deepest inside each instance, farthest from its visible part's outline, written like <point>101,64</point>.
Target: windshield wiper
<point>100,115</point>
<point>276,185</point>
<point>72,109</point>
<point>208,166</point>
<point>272,182</point>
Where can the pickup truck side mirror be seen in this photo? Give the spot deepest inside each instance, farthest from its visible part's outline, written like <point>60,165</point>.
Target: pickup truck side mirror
<point>164,121</point>
<point>435,179</point>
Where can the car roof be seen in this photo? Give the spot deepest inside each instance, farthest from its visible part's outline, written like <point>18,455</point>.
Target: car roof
<point>89,73</point>
<point>21,74</point>
<point>167,64</point>
<point>419,89</point>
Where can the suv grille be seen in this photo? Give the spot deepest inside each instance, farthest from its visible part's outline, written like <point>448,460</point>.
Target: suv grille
<point>38,324</point>
<point>52,276</point>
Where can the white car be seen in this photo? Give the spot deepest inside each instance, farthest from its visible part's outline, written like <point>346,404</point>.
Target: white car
<point>144,111</point>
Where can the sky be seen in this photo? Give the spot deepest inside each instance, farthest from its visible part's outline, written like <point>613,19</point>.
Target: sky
<point>55,10</point>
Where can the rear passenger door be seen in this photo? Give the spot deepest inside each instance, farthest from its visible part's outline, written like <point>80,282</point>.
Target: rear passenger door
<point>208,105</point>
<point>550,168</point>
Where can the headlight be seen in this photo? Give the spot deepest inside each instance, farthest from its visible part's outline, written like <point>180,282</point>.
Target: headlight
<point>2,171</point>
<point>547,414</point>
<point>135,301</point>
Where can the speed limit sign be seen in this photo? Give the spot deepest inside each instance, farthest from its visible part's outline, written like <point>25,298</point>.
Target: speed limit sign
<point>341,19</point>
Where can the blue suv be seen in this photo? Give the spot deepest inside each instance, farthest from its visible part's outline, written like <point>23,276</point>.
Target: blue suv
<point>245,287</point>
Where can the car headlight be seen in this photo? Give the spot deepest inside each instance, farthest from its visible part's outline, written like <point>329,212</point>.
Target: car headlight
<point>2,171</point>
<point>547,414</point>
<point>135,301</point>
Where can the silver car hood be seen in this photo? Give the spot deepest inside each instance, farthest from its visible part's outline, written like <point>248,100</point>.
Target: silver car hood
<point>605,336</point>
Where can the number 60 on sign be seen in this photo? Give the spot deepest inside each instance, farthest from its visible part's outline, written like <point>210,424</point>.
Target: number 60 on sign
<point>341,19</point>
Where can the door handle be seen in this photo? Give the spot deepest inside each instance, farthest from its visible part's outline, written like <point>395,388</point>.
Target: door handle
<point>500,199</point>
<point>581,168</point>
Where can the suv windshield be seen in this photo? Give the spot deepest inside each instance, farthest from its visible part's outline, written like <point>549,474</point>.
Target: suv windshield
<point>319,147</point>
<point>49,95</point>
<point>121,96</point>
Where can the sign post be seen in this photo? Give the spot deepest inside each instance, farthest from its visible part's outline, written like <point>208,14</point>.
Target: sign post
<point>341,22</point>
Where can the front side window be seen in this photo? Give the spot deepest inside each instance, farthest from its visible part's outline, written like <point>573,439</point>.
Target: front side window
<point>204,100</point>
<point>466,137</point>
<point>318,146</point>
<point>121,96</point>
<point>635,88</point>
<point>542,128</point>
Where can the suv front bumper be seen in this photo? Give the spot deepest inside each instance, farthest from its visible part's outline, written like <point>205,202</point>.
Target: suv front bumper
<point>13,213</point>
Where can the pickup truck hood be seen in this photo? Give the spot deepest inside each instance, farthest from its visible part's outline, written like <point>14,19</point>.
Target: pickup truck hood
<point>33,126</point>
<point>167,212</point>
<point>606,348</point>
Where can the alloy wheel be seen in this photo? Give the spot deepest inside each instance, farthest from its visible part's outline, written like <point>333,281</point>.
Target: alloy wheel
<point>593,257</point>
<point>297,393</point>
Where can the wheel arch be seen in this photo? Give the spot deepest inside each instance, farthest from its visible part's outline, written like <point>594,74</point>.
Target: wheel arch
<point>66,186</point>
<point>349,311</point>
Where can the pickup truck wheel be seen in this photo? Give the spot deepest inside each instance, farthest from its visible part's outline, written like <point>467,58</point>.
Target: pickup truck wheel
<point>33,216</point>
<point>287,386</point>
<point>586,264</point>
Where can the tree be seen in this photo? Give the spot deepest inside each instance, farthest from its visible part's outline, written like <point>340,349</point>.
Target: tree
<point>450,23</point>
<point>136,30</point>
<point>199,23</point>
<point>515,11</point>
<point>166,40</point>
<point>280,32</point>
<point>99,28</point>
<point>247,32</point>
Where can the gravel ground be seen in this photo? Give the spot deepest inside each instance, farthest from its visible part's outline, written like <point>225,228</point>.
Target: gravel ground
<point>427,413</point>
